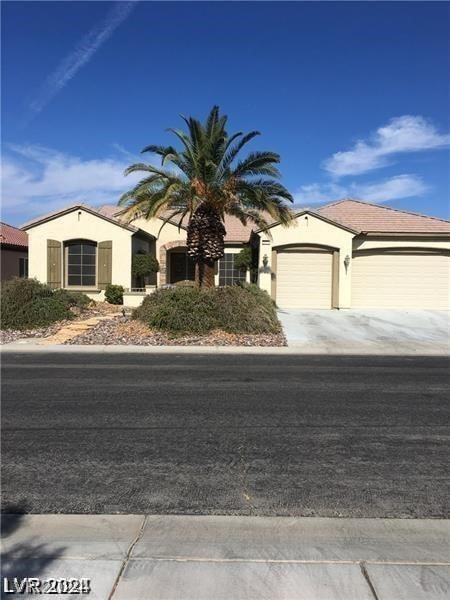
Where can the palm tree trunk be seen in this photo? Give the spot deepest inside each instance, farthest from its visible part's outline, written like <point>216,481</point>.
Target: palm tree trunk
<point>204,274</point>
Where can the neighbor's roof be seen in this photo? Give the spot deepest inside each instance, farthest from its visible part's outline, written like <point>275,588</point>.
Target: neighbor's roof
<point>236,231</point>
<point>12,236</point>
<point>373,218</point>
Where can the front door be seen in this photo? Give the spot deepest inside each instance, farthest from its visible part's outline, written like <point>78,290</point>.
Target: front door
<point>182,267</point>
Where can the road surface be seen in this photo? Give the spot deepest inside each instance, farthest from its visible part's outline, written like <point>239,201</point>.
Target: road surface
<point>226,434</point>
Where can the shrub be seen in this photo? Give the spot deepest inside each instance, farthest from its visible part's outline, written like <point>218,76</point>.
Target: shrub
<point>179,310</point>
<point>243,259</point>
<point>27,304</point>
<point>246,309</point>
<point>73,299</point>
<point>191,310</point>
<point>114,294</point>
<point>144,265</point>
<point>185,283</point>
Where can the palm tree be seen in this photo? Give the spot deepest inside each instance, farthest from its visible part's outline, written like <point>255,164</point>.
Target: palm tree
<point>205,182</point>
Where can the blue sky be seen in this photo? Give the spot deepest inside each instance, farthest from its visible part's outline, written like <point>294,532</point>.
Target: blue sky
<point>354,96</point>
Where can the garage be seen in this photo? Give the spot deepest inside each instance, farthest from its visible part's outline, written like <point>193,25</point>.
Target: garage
<point>304,278</point>
<point>401,279</point>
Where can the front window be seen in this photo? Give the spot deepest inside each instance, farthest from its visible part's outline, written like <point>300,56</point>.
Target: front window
<point>81,261</point>
<point>23,267</point>
<point>228,273</point>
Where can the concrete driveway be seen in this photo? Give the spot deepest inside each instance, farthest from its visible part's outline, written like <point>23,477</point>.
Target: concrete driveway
<point>367,331</point>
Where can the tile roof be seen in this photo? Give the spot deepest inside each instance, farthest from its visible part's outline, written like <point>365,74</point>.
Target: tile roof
<point>236,231</point>
<point>373,218</point>
<point>356,215</point>
<point>13,236</point>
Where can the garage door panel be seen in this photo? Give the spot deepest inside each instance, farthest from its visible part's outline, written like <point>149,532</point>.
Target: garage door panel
<point>304,279</point>
<point>394,280</point>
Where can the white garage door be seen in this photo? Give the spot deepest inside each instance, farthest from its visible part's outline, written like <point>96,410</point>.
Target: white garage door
<point>304,279</point>
<point>401,280</point>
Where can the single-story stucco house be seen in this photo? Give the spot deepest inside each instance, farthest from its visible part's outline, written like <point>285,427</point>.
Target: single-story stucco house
<point>13,252</point>
<point>347,254</point>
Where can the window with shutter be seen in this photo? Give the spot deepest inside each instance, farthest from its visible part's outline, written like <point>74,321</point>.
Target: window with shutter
<point>81,263</point>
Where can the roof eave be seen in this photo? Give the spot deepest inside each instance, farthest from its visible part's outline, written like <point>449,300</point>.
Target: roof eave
<point>313,214</point>
<point>14,246</point>
<point>443,234</point>
<point>66,211</point>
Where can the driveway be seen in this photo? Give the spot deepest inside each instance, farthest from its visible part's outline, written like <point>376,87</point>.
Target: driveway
<point>367,331</point>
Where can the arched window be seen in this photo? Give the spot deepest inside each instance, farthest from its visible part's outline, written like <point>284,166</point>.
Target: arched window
<point>81,263</point>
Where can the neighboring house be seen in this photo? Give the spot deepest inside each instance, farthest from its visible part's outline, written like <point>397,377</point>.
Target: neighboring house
<point>13,252</point>
<point>348,254</point>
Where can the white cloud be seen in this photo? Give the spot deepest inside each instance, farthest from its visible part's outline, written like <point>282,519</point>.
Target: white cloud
<point>36,180</point>
<point>394,188</point>
<point>81,55</point>
<point>401,186</point>
<point>402,134</point>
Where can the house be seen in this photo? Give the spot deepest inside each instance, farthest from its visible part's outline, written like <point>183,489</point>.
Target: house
<point>13,252</point>
<point>84,248</point>
<point>348,254</point>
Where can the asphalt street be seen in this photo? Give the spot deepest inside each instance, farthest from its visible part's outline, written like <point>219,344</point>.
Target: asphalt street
<point>226,434</point>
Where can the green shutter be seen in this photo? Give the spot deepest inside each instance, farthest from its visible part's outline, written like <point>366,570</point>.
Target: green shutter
<point>104,264</point>
<point>54,263</point>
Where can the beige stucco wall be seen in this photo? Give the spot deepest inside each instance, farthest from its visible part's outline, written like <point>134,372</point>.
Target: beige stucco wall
<point>308,230</point>
<point>80,224</point>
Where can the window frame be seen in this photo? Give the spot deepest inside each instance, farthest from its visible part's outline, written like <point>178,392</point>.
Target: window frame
<point>23,260</point>
<point>223,266</point>
<point>67,245</point>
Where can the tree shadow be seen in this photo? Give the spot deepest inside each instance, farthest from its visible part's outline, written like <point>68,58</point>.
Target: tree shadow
<point>26,558</point>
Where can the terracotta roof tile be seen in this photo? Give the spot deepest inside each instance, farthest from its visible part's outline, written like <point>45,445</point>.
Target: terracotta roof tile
<point>374,218</point>
<point>236,232</point>
<point>13,236</point>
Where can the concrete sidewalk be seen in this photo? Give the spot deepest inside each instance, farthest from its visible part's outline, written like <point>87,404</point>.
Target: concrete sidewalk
<point>133,557</point>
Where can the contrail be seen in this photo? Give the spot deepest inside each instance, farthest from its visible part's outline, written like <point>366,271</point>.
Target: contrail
<point>81,55</point>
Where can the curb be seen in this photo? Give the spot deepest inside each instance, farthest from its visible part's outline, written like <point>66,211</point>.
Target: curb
<point>26,346</point>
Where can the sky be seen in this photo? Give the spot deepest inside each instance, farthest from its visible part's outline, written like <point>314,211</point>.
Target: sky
<point>354,96</point>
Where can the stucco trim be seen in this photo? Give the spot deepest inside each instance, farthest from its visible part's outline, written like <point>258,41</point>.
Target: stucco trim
<point>401,250</point>
<point>313,214</point>
<point>335,279</point>
<point>273,283</point>
<point>61,213</point>
<point>305,247</point>
<point>405,234</point>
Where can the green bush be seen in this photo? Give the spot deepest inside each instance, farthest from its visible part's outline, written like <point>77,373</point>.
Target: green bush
<point>185,283</point>
<point>114,294</point>
<point>191,310</point>
<point>179,310</point>
<point>144,265</point>
<point>245,309</point>
<point>73,299</point>
<point>243,259</point>
<point>27,304</point>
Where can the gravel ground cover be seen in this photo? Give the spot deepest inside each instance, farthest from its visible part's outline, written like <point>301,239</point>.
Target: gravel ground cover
<point>126,331</point>
<point>101,308</point>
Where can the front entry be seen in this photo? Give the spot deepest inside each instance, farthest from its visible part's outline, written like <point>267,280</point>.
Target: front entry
<point>182,267</point>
